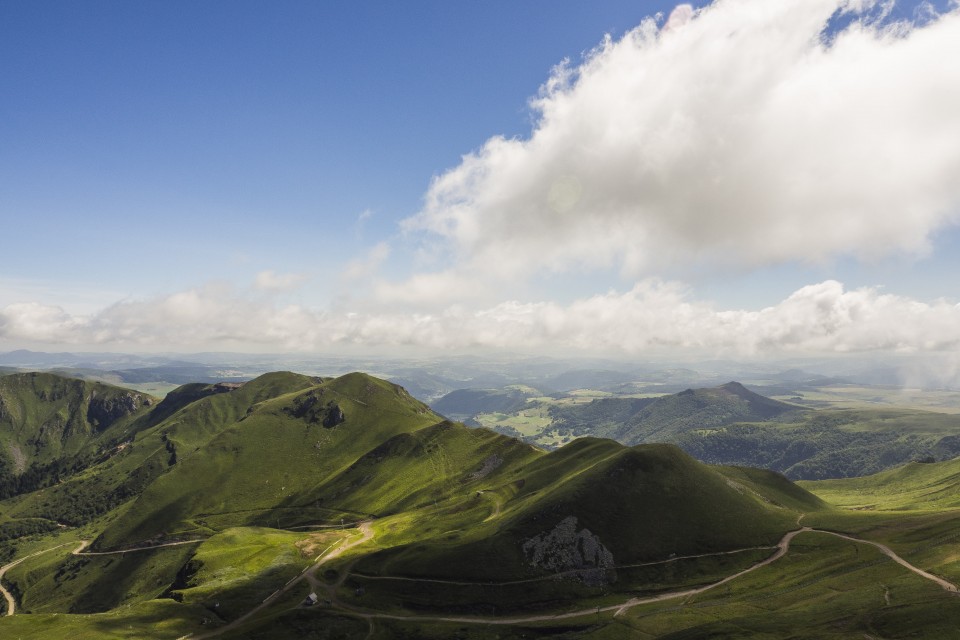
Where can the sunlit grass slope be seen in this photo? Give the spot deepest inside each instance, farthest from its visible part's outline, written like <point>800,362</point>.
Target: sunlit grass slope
<point>268,454</point>
<point>913,486</point>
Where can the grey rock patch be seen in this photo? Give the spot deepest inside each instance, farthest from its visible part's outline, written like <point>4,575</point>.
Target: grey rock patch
<point>578,555</point>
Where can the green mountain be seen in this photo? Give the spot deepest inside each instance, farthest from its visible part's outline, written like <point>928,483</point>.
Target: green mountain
<point>290,451</point>
<point>637,420</point>
<point>257,453</point>
<point>224,506</point>
<point>51,426</point>
<point>639,504</point>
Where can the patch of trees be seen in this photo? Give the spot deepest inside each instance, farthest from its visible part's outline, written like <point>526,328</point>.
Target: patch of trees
<point>469,402</point>
<point>39,476</point>
<point>85,502</point>
<point>20,528</point>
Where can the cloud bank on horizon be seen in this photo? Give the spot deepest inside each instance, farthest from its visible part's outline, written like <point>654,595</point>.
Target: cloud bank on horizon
<point>653,315</point>
<point>744,134</point>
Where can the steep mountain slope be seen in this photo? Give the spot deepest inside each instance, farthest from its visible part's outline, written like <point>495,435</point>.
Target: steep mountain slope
<point>252,455</point>
<point>421,468</point>
<point>639,504</point>
<point>147,447</point>
<point>51,426</point>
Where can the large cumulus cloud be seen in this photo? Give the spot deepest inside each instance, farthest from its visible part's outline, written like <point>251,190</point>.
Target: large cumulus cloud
<point>745,133</point>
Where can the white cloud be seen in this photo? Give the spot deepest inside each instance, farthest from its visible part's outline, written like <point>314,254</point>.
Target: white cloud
<point>278,282</point>
<point>430,290</point>
<point>38,322</point>
<point>361,223</point>
<point>653,315</point>
<point>367,266</point>
<point>681,15</point>
<point>736,135</point>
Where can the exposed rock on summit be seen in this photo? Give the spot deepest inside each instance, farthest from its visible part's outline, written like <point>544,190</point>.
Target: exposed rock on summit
<point>310,407</point>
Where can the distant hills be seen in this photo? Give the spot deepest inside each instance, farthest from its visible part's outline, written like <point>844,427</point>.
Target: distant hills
<point>665,418</point>
<point>728,424</point>
<point>464,403</point>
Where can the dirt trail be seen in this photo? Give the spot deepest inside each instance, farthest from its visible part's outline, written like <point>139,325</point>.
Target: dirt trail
<point>467,583</point>
<point>80,552</point>
<point>367,533</point>
<point>887,551</point>
<point>11,602</point>
<point>782,548</point>
<point>497,504</point>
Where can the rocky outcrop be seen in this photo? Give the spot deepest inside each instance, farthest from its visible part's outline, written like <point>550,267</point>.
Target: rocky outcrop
<point>490,464</point>
<point>104,411</point>
<point>310,407</point>
<point>334,416</point>
<point>569,553</point>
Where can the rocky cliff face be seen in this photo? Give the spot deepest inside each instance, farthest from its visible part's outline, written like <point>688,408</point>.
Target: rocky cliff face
<point>104,410</point>
<point>570,553</point>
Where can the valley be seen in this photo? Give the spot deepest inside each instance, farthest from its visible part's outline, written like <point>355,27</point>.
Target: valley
<point>218,509</point>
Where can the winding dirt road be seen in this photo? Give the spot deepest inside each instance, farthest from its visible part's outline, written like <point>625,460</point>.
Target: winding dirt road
<point>366,531</point>
<point>81,552</point>
<point>887,551</point>
<point>781,550</point>
<point>560,574</point>
<point>11,602</point>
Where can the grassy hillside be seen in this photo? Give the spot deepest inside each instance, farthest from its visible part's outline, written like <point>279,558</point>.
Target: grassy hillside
<point>52,427</point>
<point>351,489</point>
<point>411,470</point>
<point>265,454</point>
<point>639,505</point>
<point>913,486</point>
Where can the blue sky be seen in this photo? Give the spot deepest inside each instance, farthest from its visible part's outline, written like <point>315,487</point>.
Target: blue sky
<point>304,164</point>
<point>161,144</point>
